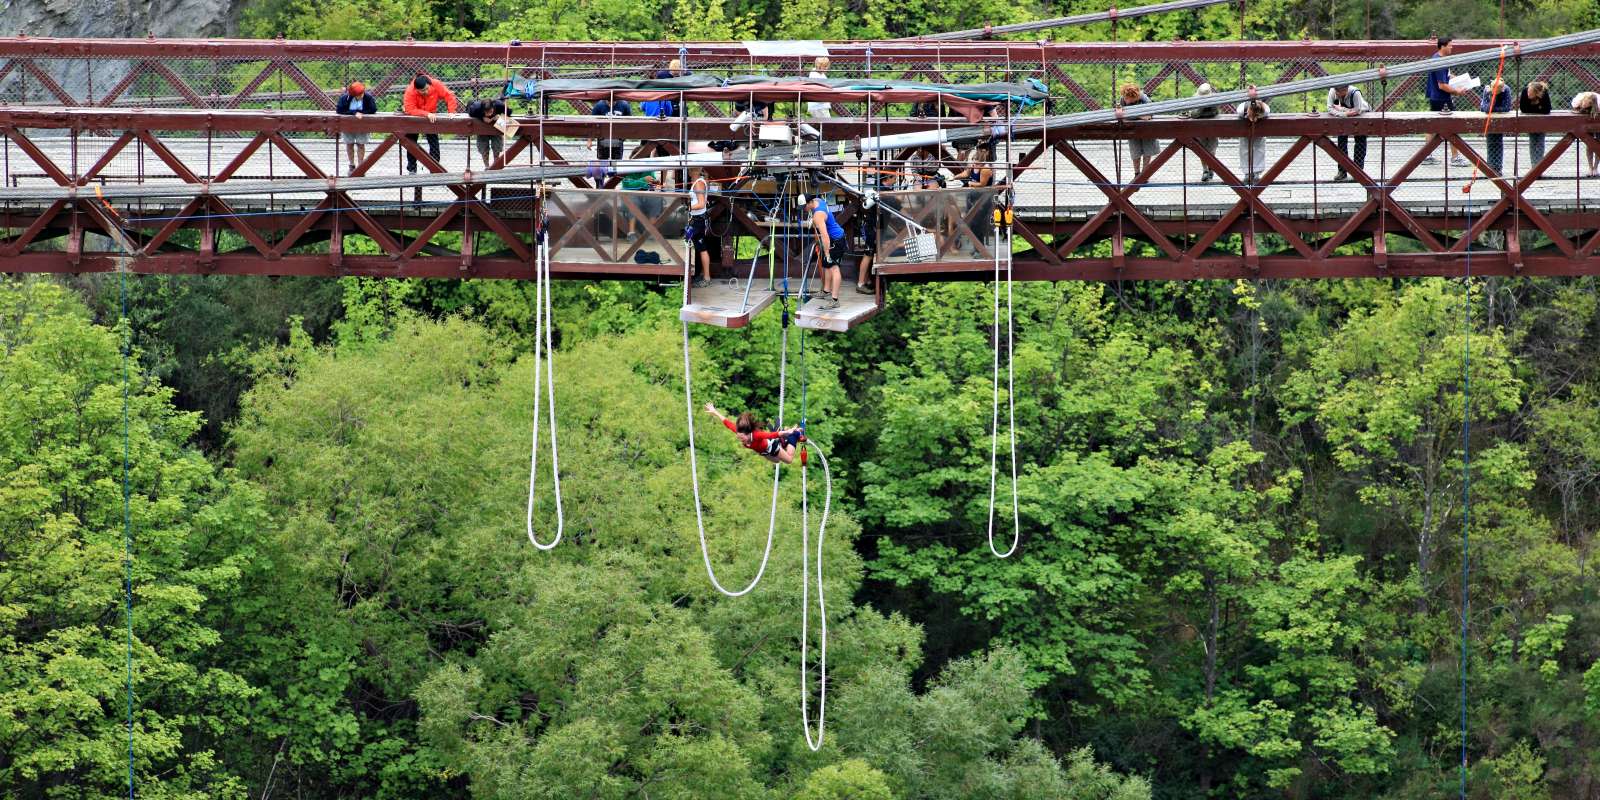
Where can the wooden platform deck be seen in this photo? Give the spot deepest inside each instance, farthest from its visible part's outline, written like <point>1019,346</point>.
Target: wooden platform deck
<point>727,303</point>
<point>853,310</point>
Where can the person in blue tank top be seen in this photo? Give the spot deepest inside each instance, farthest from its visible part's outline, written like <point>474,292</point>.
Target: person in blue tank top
<point>830,239</point>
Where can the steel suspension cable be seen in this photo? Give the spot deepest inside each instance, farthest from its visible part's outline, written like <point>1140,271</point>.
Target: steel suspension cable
<point>989,31</point>
<point>127,516</point>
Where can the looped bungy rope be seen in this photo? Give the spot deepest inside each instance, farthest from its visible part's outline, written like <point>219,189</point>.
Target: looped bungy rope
<point>694,468</point>
<point>805,602</point>
<point>1011,403</point>
<point>815,743</point>
<point>542,325</point>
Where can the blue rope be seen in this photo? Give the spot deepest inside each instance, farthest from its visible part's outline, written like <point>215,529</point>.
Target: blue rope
<point>804,267</point>
<point>803,381</point>
<point>127,519</point>
<point>1466,485</point>
<point>784,200</point>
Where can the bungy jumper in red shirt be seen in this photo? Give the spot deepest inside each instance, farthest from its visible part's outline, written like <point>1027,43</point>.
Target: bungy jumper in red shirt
<point>776,446</point>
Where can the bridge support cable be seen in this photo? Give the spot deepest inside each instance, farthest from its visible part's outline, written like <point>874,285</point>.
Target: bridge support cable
<point>1011,402</point>
<point>542,327</point>
<point>990,31</point>
<point>813,742</point>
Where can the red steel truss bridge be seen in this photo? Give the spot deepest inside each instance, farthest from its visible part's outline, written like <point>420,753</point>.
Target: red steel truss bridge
<point>241,136</point>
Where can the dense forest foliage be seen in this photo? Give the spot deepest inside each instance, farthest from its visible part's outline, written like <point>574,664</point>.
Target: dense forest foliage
<point>1242,512</point>
<point>1239,576</point>
<point>650,20</point>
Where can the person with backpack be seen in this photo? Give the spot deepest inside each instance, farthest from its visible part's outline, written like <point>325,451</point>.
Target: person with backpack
<point>1347,101</point>
<point>488,112</point>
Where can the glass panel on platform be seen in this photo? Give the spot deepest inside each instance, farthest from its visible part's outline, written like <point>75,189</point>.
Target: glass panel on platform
<point>960,221</point>
<point>612,226</point>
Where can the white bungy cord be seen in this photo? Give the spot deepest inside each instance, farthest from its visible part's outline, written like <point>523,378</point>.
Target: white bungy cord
<point>694,469</point>
<point>1011,402</point>
<point>542,324</point>
<point>805,525</point>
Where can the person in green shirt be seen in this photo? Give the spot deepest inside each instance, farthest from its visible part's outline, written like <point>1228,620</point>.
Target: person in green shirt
<point>651,206</point>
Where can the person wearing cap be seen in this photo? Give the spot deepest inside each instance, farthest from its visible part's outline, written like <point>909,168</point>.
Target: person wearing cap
<point>1253,149</point>
<point>422,99</point>
<point>355,102</point>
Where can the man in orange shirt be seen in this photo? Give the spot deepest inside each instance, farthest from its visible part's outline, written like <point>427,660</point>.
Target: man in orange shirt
<point>422,99</point>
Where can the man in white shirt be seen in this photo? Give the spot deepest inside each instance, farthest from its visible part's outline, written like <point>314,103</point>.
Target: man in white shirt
<point>1253,149</point>
<point>1346,101</point>
<point>819,69</point>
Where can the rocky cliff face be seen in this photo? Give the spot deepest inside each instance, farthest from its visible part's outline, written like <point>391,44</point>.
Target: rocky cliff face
<point>107,19</point>
<point>119,18</point>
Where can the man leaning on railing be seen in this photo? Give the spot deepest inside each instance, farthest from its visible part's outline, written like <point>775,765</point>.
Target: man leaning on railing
<point>1346,101</point>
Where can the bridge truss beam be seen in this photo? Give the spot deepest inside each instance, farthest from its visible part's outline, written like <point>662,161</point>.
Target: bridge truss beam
<point>1388,222</point>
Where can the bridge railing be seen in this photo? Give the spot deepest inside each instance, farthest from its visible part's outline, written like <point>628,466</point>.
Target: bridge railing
<point>269,192</point>
<point>280,75</point>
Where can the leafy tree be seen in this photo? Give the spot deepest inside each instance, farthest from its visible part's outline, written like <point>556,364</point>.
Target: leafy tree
<point>198,333</point>
<point>851,779</point>
<point>959,738</point>
<point>64,642</point>
<point>1388,391</point>
<point>606,665</point>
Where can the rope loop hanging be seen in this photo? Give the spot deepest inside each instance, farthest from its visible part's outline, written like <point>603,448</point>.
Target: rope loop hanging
<point>694,468</point>
<point>815,743</point>
<point>1002,219</point>
<point>542,326</point>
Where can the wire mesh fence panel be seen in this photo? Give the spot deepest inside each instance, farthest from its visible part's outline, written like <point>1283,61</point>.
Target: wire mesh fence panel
<point>298,75</point>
